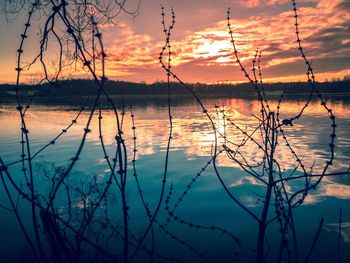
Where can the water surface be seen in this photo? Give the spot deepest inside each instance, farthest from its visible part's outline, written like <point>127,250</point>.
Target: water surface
<point>206,202</point>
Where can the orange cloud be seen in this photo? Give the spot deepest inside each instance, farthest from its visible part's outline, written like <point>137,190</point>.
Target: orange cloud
<point>206,54</point>
<point>203,51</point>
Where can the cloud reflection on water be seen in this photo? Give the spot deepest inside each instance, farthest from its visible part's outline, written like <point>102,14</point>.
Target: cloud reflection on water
<point>193,136</point>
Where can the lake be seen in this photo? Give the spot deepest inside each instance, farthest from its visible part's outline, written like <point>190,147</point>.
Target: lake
<point>205,214</point>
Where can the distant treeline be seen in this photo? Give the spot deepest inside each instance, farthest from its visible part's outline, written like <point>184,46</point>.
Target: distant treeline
<point>83,88</point>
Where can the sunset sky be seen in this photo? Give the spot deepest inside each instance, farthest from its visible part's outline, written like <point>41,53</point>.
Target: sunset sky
<point>201,43</point>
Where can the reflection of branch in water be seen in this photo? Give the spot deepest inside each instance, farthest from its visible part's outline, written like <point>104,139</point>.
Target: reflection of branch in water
<point>86,199</point>
<point>271,128</point>
<point>89,219</point>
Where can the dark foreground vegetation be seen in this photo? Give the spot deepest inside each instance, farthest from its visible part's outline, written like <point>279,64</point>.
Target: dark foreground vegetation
<point>75,89</point>
<point>88,219</point>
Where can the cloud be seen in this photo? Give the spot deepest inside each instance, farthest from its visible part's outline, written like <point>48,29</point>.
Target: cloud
<point>201,44</point>
<point>206,54</point>
<point>344,5</point>
<point>324,31</point>
<point>127,51</point>
<point>256,3</point>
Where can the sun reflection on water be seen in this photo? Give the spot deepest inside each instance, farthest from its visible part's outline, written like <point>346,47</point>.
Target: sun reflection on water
<point>193,135</point>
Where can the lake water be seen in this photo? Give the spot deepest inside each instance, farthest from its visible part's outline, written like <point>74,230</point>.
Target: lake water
<point>206,202</point>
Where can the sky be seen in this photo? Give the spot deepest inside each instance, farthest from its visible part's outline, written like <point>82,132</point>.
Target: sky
<point>201,48</point>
